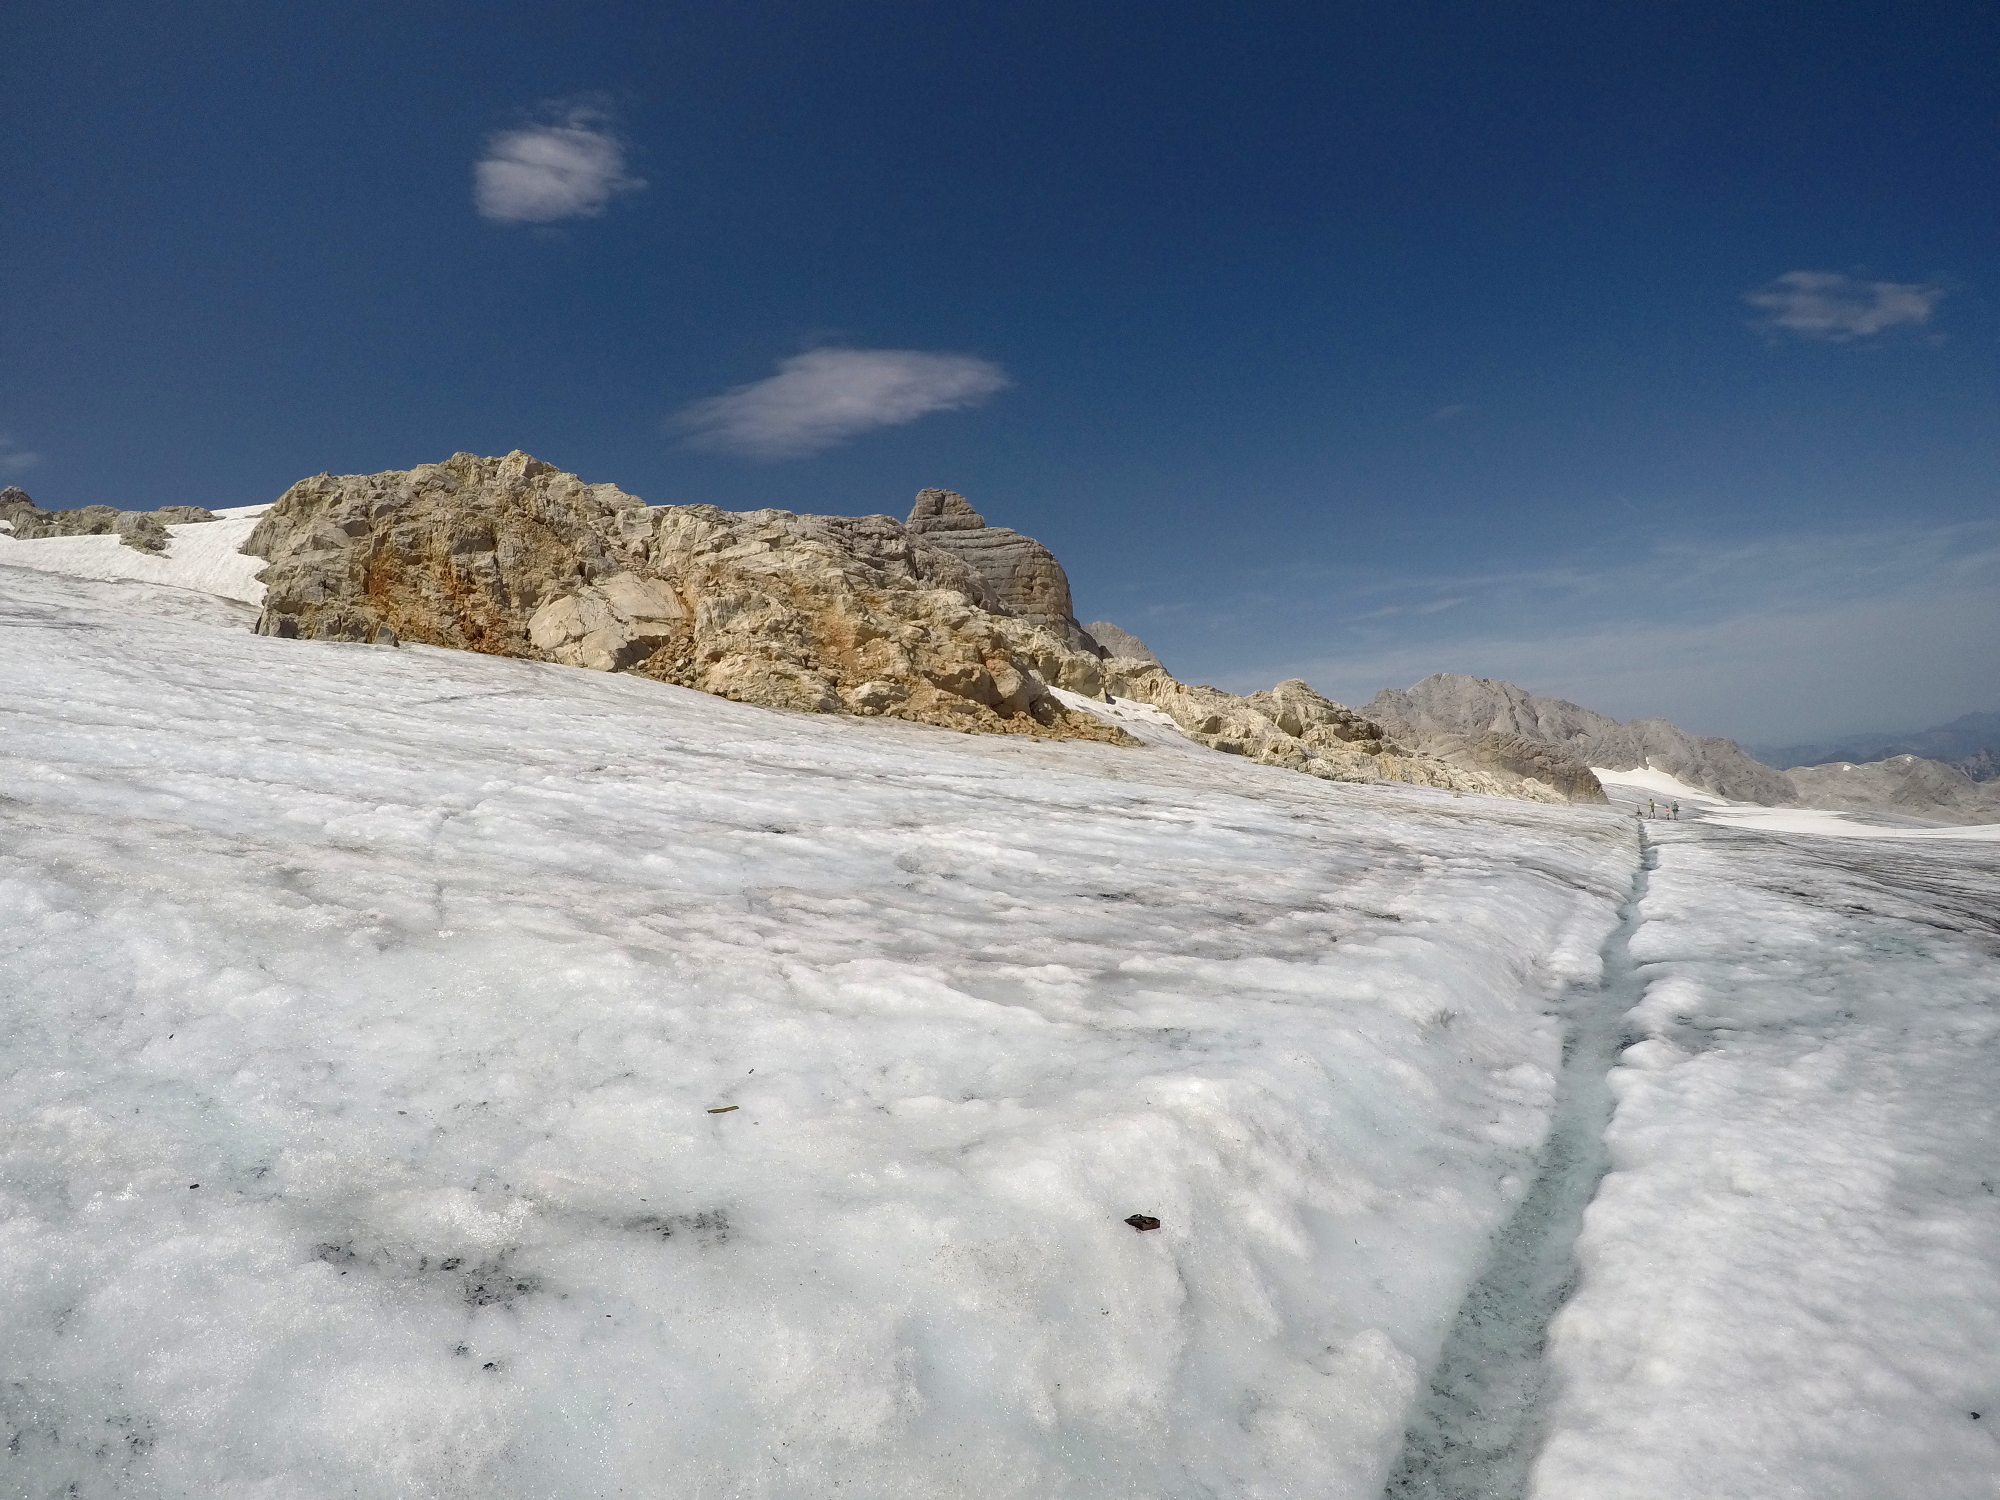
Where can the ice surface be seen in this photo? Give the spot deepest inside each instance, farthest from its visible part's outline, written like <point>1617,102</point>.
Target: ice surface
<point>200,555</point>
<point>1791,1276</point>
<point>362,1012</point>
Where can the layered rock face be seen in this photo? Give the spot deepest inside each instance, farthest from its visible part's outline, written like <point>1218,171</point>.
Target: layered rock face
<point>512,557</point>
<point>143,529</point>
<point>1449,704</point>
<point>1019,576</point>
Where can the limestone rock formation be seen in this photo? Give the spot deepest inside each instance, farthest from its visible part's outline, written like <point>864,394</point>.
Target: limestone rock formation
<point>512,557</point>
<point>143,529</point>
<point>1118,642</point>
<point>1290,725</point>
<point>1512,754</point>
<point>1449,703</point>
<point>1020,576</point>
<point>943,621</point>
<point>1902,785</point>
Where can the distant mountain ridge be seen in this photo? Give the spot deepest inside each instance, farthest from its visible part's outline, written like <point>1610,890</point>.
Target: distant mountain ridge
<point>1477,721</point>
<point>1971,743</point>
<point>1907,785</point>
<point>1450,703</point>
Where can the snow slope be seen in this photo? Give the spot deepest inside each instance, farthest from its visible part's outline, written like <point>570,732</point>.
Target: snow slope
<point>1791,1276</point>
<point>1635,788</point>
<point>201,555</point>
<point>365,1015</point>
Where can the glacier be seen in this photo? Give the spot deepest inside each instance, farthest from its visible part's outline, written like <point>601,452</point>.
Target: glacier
<point>440,1075</point>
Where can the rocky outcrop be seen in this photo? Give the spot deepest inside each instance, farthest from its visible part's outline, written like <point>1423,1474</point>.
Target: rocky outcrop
<point>1904,785</point>
<point>512,557</point>
<point>1512,754</point>
<point>1290,725</point>
<point>1450,704</point>
<point>1017,574</point>
<point>827,614</point>
<point>143,529</point>
<point>1118,642</point>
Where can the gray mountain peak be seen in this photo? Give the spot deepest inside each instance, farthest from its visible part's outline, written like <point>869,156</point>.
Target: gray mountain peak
<point>1452,703</point>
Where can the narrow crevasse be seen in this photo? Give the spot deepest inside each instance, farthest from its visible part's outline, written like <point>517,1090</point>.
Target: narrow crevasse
<point>1478,1426</point>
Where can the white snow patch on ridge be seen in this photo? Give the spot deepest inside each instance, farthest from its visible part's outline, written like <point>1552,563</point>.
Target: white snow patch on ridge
<point>363,1012</point>
<point>201,555</point>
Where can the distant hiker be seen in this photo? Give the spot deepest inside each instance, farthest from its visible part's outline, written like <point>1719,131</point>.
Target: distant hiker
<point>1649,808</point>
<point>1677,812</point>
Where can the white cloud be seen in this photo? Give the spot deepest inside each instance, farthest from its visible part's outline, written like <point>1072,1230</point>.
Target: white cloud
<point>567,169</point>
<point>15,459</point>
<point>1827,305</point>
<point>822,397</point>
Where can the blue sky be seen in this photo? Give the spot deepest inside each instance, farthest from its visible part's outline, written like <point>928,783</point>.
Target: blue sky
<point>1641,354</point>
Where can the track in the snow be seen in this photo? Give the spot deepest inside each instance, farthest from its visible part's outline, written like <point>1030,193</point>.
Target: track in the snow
<point>1475,1434</point>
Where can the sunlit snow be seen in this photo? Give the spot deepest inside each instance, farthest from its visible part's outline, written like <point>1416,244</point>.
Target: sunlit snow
<point>1791,1276</point>
<point>426,1074</point>
<point>201,555</point>
<point>428,969</point>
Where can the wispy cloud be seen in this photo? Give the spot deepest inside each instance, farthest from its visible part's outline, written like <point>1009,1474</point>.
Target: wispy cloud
<point>14,459</point>
<point>825,396</point>
<point>1445,414</point>
<point>1833,308</point>
<point>568,167</point>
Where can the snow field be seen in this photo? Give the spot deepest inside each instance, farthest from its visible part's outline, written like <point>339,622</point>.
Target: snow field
<point>200,555</point>
<point>1634,788</point>
<point>430,968</point>
<point>1791,1276</point>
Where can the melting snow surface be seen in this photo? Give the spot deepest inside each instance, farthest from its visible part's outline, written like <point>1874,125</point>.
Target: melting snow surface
<point>366,1017</point>
<point>200,555</point>
<point>425,1074</point>
<point>1791,1276</point>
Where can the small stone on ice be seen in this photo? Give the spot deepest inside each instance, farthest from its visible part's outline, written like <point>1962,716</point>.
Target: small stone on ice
<point>1143,1222</point>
